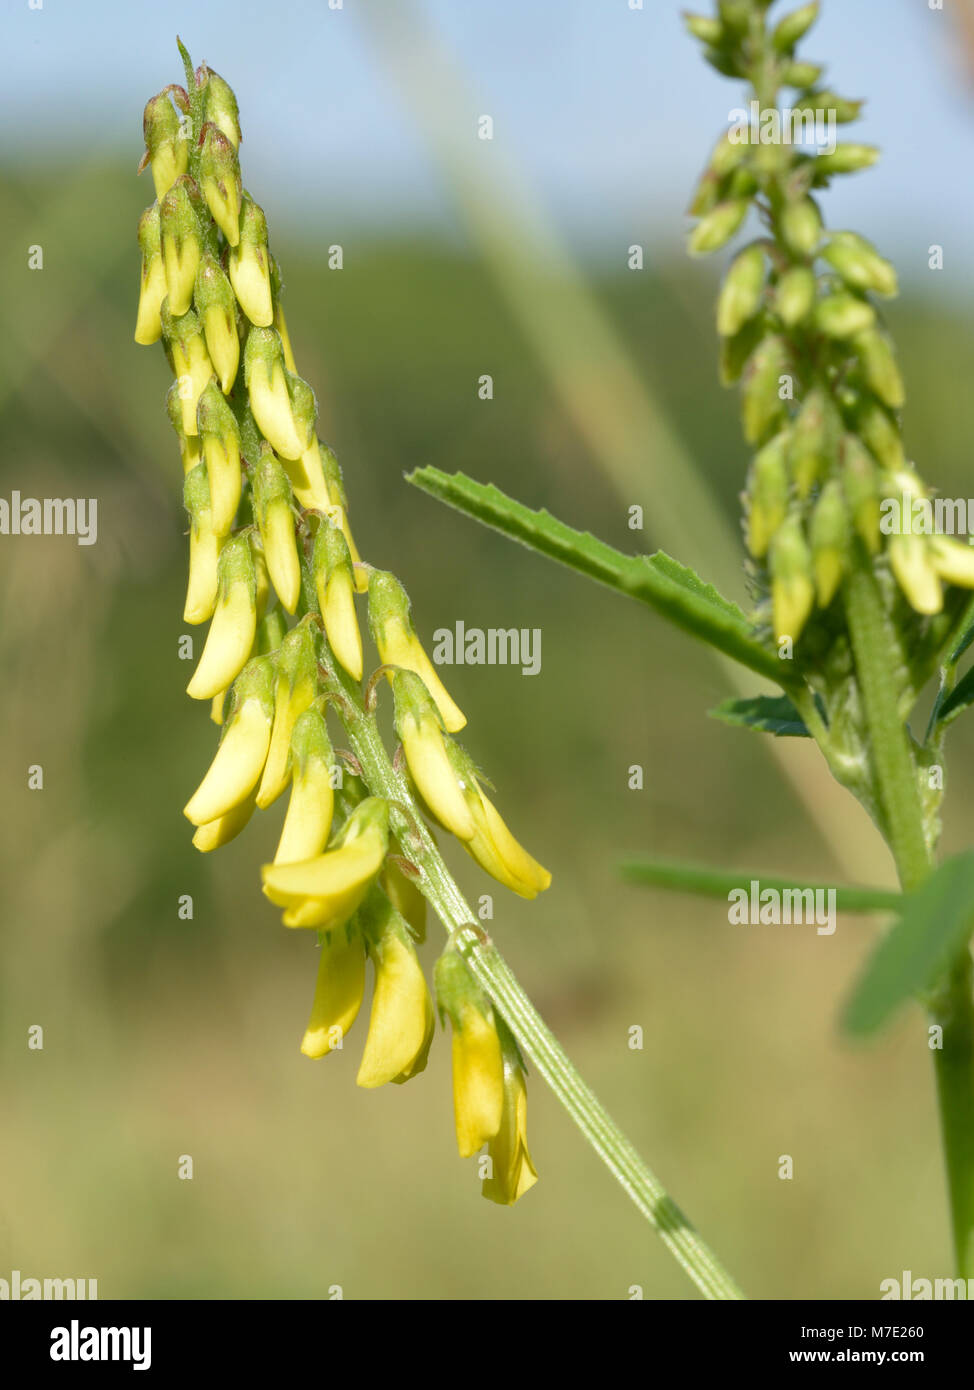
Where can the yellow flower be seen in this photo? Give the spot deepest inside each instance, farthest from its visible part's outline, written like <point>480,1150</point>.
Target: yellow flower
<point>189,445</point>
<point>911,559</point>
<point>152,286</point>
<point>954,560</point>
<point>478,1065</point>
<point>275,519</point>
<point>338,992</point>
<point>310,807</point>
<point>181,245</point>
<point>220,181</point>
<point>167,148</point>
<point>512,1173</point>
<point>239,760</point>
<point>420,729</point>
<point>331,566</point>
<point>282,404</point>
<point>402,1020</point>
<point>216,308</point>
<point>190,361</point>
<point>294,691</point>
<point>325,891</point>
<point>492,844</point>
<point>216,833</point>
<point>220,437</point>
<point>204,548</point>
<point>249,269</point>
<point>234,626</point>
<point>398,644</point>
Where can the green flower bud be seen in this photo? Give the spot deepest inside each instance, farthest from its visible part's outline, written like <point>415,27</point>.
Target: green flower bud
<point>792,589</point>
<point>273,505</point>
<point>152,287</point>
<point>334,580</point>
<point>801,74</point>
<point>830,534</point>
<point>860,483</point>
<point>880,433</point>
<point>735,15</point>
<point>181,242</point>
<point>283,405</point>
<point>879,366</point>
<point>767,494</point>
<point>794,295</point>
<point>846,158</point>
<point>801,226</point>
<point>860,264</point>
<point>219,104</point>
<point>793,27</point>
<point>217,311</point>
<point>843,315</point>
<point>166,140</point>
<point>704,28</point>
<point>220,439</point>
<point>271,632</point>
<point>231,636</point>
<point>742,291</point>
<point>249,266</point>
<point>762,409</point>
<point>813,442</point>
<point>735,352</point>
<point>841,108</point>
<point>220,181</point>
<point>190,361</point>
<point>715,229</point>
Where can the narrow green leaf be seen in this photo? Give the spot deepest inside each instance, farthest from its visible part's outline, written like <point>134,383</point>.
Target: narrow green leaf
<point>770,714</point>
<point>718,883</point>
<point>672,590</point>
<point>934,925</point>
<point>959,698</point>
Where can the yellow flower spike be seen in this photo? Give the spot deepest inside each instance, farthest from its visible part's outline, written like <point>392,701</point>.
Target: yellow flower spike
<point>220,439</point>
<point>954,560</point>
<point>295,690</point>
<point>492,845</point>
<point>217,833</point>
<point>398,645</point>
<point>792,588</point>
<point>181,243</point>
<point>335,486</point>
<point>326,890</point>
<point>282,404</point>
<point>189,445</point>
<point>273,504</point>
<point>167,146</point>
<point>331,567</point>
<point>478,1064</point>
<point>152,284</point>
<point>420,730</point>
<point>911,559</point>
<point>405,895</point>
<point>239,760</point>
<point>190,362</point>
<point>249,268</point>
<point>402,1020</point>
<point>216,309</point>
<point>220,181</point>
<point>512,1172</point>
<point>310,807</point>
<point>234,626</point>
<point>338,992</point>
<point>204,549</point>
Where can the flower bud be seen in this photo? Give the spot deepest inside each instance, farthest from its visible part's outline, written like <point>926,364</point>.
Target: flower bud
<point>512,1172</point>
<point>152,286</point>
<point>880,369</point>
<point>181,243</point>
<point>395,637</point>
<point>220,104</point>
<point>324,892</point>
<point>275,519</point>
<point>231,635</point>
<point>204,548</point>
<point>813,441</point>
<point>718,226</point>
<point>793,27</point>
<point>338,993</point>
<point>860,264</point>
<point>478,1063</point>
<point>220,439</point>
<point>216,309</point>
<point>166,141</point>
<point>801,74</point>
<point>843,315</point>
<point>190,361</point>
<point>742,291</point>
<point>283,405</point>
<point>767,494</point>
<point>792,590</point>
<point>762,409</point>
<point>954,560</point>
<point>402,1020</point>
<point>310,806</point>
<point>829,533</point>
<point>294,691</point>
<point>879,432</point>
<point>801,226</point>
<point>235,770</point>
<point>492,844</point>
<point>420,731</point>
<point>249,266</point>
<point>735,352</point>
<point>846,158</point>
<point>860,483</point>
<point>220,181</point>
<point>842,109</point>
<point>912,562</point>
<point>794,295</point>
<point>704,28</point>
<point>331,566</point>
<point>189,445</point>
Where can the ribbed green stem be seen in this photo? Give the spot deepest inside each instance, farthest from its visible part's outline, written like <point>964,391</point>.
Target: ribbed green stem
<point>497,980</point>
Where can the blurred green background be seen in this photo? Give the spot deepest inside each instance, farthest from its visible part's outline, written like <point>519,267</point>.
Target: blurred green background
<point>166,1037</point>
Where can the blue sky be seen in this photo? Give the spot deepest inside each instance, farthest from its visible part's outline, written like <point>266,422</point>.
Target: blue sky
<point>606,112</point>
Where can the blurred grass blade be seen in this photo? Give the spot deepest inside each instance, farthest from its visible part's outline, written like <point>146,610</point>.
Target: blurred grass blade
<point>718,883</point>
<point>672,590</point>
<point>769,714</point>
<point>933,928</point>
<point>957,701</point>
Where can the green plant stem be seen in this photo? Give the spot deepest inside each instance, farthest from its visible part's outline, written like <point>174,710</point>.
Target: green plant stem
<point>952,1003</point>
<point>496,978</point>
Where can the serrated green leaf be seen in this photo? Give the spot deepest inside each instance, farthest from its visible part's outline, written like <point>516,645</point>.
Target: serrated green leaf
<point>770,714</point>
<point>672,590</point>
<point>935,923</point>
<point>718,883</point>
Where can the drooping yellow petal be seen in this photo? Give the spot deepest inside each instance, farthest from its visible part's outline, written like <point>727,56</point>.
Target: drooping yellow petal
<point>427,759</point>
<point>911,559</point>
<point>402,1020</point>
<point>512,1172</point>
<point>203,584</point>
<point>289,705</point>
<point>332,876</point>
<point>338,994</point>
<point>478,1081</point>
<point>309,814</point>
<point>496,850</point>
<point>220,832</point>
<point>228,644</point>
<point>398,646</point>
<point>236,767</point>
<point>337,603</point>
<point>954,560</point>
